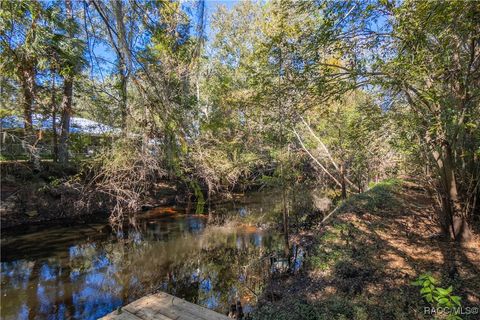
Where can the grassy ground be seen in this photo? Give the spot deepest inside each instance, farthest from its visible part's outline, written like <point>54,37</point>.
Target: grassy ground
<point>362,264</point>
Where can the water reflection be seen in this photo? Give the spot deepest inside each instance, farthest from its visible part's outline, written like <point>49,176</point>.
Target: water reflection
<point>85,272</point>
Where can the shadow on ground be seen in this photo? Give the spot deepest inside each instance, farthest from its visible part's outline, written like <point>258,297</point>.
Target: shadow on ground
<point>362,264</point>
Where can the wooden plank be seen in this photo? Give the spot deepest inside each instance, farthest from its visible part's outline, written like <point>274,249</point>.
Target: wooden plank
<point>151,308</point>
<point>124,315</point>
<point>195,310</point>
<point>162,306</point>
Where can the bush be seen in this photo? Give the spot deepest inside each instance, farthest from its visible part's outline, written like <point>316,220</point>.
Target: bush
<point>379,197</point>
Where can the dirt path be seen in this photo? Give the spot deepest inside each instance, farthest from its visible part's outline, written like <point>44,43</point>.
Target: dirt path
<point>362,264</point>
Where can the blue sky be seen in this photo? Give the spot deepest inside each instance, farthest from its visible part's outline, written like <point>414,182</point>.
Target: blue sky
<point>211,6</point>
<point>105,52</point>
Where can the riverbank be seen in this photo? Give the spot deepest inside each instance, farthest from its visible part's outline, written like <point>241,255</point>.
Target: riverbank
<point>56,195</point>
<point>361,264</point>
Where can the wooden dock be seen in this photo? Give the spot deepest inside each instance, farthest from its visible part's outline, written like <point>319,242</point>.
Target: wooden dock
<point>162,306</point>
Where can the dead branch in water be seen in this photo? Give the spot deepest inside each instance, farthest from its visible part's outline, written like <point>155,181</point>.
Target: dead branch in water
<point>124,175</point>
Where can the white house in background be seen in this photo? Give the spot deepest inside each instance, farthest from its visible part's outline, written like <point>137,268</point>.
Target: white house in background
<point>77,125</point>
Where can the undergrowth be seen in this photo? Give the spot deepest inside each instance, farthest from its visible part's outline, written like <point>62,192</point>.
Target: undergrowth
<point>380,196</point>
<point>346,273</point>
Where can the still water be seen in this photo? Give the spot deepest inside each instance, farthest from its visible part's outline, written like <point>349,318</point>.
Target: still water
<point>87,271</point>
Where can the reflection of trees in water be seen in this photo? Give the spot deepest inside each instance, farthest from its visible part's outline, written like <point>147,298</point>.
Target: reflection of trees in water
<point>16,276</point>
<point>211,269</point>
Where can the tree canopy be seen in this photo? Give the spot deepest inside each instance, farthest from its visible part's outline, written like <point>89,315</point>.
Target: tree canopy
<point>339,94</point>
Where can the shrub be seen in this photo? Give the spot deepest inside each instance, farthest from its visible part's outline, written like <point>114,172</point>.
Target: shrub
<point>438,297</point>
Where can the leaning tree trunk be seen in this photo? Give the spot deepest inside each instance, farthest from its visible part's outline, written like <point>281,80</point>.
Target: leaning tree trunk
<point>342,181</point>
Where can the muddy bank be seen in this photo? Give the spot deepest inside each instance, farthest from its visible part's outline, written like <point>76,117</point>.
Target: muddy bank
<point>25,206</point>
<point>54,195</point>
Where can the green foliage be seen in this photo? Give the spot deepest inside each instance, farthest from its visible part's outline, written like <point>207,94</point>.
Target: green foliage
<point>350,128</point>
<point>381,196</point>
<point>437,296</point>
<point>54,182</point>
<point>328,253</point>
<point>232,111</point>
<point>200,198</point>
<point>391,184</point>
<point>325,260</point>
<point>434,39</point>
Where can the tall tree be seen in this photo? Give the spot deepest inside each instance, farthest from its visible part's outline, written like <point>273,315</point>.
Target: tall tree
<point>437,70</point>
<point>422,55</point>
<point>72,61</point>
<point>120,25</point>
<point>21,35</point>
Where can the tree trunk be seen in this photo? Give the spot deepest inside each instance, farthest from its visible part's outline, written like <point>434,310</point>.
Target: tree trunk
<point>54,121</point>
<point>28,98</point>
<point>123,60</point>
<point>454,221</point>
<point>66,104</point>
<point>285,219</point>
<point>65,120</point>
<point>27,78</point>
<point>123,96</point>
<point>343,182</point>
